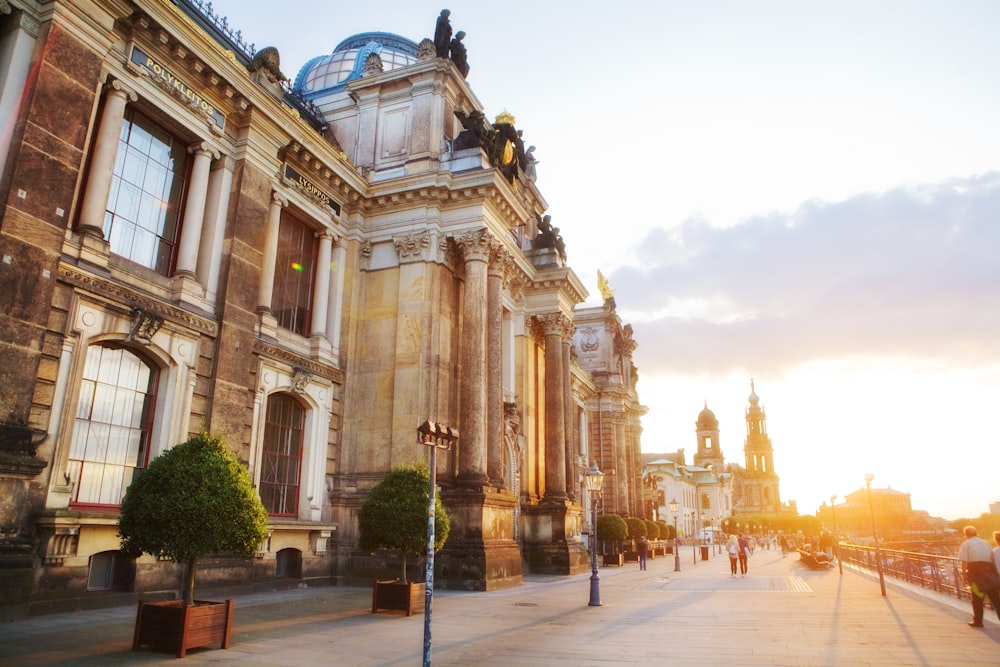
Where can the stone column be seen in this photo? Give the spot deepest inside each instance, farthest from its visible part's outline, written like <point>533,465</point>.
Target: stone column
<point>621,465</point>
<point>500,264</point>
<point>194,209</point>
<point>568,408</point>
<point>336,300</point>
<point>475,247</point>
<point>555,326</point>
<point>321,287</point>
<point>102,161</point>
<point>213,235</point>
<point>266,287</point>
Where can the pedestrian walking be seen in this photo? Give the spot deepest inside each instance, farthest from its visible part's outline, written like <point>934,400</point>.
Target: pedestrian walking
<point>643,551</point>
<point>980,573</point>
<point>744,554</point>
<point>733,549</point>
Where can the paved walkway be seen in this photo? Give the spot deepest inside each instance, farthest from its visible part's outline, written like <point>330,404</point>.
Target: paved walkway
<point>780,614</point>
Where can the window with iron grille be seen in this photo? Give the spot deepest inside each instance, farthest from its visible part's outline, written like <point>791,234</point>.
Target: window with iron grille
<point>281,461</point>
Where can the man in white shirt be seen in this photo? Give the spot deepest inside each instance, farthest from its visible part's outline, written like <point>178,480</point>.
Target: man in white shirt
<point>977,566</point>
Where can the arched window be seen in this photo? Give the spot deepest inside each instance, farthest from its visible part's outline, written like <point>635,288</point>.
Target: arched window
<point>281,461</point>
<point>113,420</point>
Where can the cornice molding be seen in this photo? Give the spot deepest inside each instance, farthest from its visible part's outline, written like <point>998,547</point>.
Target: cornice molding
<point>123,294</point>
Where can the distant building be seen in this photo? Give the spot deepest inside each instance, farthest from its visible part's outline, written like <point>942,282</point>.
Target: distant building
<point>710,491</point>
<point>756,487</point>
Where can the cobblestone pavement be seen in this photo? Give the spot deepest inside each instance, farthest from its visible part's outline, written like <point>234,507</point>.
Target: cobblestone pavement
<point>780,614</point>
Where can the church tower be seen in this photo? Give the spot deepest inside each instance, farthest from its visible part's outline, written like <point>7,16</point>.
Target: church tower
<point>759,481</point>
<point>707,431</point>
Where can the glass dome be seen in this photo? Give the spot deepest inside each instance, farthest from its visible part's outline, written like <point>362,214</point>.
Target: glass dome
<point>348,58</point>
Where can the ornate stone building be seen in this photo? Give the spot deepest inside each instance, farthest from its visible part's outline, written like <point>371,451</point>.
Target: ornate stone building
<point>310,269</point>
<point>755,487</point>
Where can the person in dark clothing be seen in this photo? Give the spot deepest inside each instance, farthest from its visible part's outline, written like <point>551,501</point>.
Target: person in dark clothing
<point>643,551</point>
<point>744,554</point>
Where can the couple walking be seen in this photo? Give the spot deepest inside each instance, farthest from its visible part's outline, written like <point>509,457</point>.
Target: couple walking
<point>739,552</point>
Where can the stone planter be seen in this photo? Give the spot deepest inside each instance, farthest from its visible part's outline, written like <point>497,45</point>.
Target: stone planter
<point>395,596</point>
<point>173,626</point>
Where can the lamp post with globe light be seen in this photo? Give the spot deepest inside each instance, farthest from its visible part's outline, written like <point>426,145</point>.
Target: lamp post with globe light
<point>677,553</point>
<point>594,479</point>
<point>869,476</point>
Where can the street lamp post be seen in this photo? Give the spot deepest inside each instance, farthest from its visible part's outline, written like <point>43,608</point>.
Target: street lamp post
<point>694,541</point>
<point>594,479</point>
<point>677,553</point>
<point>436,436</point>
<point>869,476</point>
<point>836,539</point>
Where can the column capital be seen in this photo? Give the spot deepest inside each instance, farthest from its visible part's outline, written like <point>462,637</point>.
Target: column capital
<point>412,247</point>
<point>204,148</point>
<point>554,324</point>
<point>116,87</point>
<point>278,198</point>
<point>501,262</point>
<point>475,245</point>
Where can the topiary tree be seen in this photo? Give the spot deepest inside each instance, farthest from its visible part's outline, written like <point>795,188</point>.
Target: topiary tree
<point>665,529</point>
<point>636,528</point>
<point>394,515</point>
<point>652,530</point>
<point>611,528</point>
<point>192,501</point>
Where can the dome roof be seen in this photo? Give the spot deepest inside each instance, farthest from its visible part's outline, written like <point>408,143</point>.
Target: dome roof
<point>706,420</point>
<point>348,58</point>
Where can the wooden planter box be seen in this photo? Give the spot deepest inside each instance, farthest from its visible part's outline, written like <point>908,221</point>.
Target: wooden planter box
<point>617,560</point>
<point>396,596</point>
<point>173,626</point>
<point>631,556</point>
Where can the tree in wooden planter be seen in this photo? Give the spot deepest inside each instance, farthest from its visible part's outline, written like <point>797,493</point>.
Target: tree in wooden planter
<point>394,516</point>
<point>192,501</point>
<point>611,528</point>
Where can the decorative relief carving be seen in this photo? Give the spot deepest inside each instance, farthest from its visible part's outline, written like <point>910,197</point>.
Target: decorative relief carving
<point>300,379</point>
<point>144,326</point>
<point>589,340</point>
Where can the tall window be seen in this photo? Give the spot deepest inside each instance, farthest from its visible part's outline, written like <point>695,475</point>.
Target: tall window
<point>113,420</point>
<point>144,207</point>
<point>293,275</point>
<point>281,462</point>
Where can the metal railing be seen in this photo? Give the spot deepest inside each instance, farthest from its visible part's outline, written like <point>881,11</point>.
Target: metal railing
<point>942,574</point>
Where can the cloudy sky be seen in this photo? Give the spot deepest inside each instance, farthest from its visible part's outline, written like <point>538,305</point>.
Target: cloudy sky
<point>806,193</point>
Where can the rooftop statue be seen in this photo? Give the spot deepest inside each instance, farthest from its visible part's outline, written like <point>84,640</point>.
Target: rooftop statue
<point>459,55</point>
<point>442,34</point>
